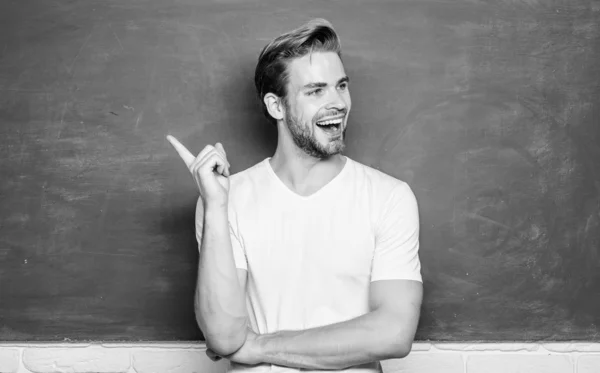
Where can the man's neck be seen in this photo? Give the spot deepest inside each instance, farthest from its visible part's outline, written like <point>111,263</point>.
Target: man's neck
<point>302,173</point>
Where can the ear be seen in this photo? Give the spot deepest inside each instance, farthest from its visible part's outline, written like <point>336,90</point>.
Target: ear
<point>274,106</point>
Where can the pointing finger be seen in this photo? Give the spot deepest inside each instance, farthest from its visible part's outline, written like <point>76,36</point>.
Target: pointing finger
<point>185,154</point>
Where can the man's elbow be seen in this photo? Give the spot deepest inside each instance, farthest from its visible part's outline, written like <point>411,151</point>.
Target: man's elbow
<point>394,351</point>
<point>397,346</point>
<point>398,350</point>
<point>224,338</point>
<point>226,344</point>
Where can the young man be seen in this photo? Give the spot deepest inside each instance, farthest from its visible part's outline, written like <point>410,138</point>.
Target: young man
<point>308,259</point>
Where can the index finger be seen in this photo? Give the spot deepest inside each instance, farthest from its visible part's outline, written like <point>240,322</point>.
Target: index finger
<point>185,154</point>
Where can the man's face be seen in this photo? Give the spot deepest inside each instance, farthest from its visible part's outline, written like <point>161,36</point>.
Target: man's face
<point>318,103</point>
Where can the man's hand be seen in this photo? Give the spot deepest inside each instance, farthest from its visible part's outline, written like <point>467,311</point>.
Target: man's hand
<point>248,354</point>
<point>210,170</point>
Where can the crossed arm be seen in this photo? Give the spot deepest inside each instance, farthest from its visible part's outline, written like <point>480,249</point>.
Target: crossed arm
<point>384,333</point>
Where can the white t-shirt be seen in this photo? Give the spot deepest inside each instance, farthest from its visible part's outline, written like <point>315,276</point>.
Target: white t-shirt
<point>310,260</point>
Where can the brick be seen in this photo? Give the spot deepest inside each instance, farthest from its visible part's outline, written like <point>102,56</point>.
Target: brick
<point>572,347</point>
<point>588,364</point>
<point>515,363</point>
<point>94,359</point>
<point>425,363</point>
<point>176,361</point>
<point>501,347</point>
<point>9,360</point>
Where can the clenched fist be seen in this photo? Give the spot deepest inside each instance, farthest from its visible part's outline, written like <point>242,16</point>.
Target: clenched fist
<point>210,170</point>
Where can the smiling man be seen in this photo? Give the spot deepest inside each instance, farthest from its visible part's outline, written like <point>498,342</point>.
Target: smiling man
<point>308,259</point>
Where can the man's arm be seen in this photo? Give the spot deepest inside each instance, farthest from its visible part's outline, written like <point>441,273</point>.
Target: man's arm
<point>219,301</point>
<point>386,332</point>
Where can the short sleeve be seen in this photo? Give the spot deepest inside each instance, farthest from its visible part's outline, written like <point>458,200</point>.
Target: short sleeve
<point>239,255</point>
<point>396,255</point>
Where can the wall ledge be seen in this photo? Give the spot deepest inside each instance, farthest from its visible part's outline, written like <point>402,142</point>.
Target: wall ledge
<point>545,347</point>
<point>190,357</point>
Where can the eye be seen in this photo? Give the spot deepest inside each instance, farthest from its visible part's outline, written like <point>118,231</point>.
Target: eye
<point>343,86</point>
<point>317,91</point>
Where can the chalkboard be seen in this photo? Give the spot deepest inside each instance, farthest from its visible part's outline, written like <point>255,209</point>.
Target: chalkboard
<point>490,110</point>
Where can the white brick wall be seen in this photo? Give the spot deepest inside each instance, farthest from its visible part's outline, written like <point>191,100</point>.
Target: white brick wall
<point>190,358</point>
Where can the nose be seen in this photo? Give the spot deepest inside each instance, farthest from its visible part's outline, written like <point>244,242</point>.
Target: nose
<point>337,101</point>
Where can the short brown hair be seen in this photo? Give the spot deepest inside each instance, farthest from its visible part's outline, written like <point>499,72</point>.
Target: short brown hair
<point>271,73</point>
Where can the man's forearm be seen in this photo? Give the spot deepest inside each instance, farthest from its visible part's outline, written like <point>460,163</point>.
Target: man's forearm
<point>368,338</point>
<point>219,301</point>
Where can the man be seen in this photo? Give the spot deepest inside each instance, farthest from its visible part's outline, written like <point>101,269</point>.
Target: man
<point>308,259</point>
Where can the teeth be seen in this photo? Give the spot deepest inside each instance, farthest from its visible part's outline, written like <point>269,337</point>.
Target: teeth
<point>329,122</point>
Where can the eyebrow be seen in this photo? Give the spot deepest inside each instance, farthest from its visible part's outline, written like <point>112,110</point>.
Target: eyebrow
<point>345,79</point>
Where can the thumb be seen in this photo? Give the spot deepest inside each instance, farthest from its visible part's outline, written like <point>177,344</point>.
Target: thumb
<point>185,154</point>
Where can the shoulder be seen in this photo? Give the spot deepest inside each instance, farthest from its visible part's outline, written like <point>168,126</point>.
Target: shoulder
<point>246,183</point>
<point>248,175</point>
<point>381,185</point>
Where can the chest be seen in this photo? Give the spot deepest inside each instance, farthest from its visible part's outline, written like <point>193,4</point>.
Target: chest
<point>326,241</point>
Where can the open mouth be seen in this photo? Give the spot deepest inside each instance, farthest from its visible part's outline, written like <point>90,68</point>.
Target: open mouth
<point>330,125</point>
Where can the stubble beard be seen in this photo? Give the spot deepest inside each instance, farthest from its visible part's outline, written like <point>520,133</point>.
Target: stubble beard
<point>308,142</point>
